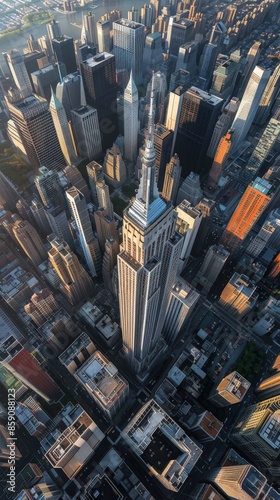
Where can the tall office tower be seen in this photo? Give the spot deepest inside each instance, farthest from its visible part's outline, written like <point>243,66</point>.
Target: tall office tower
<point>70,92</point>
<point>173,112</point>
<point>86,132</point>
<point>24,367</point>
<point>53,29</point>
<point>269,95</point>
<point>206,66</point>
<point>147,15</point>
<point>30,242</point>
<point>198,117</point>
<point>264,146</point>
<point>249,106</point>
<point>239,481</point>
<point>131,122</point>
<point>63,48</point>
<point>18,70</point>
<point>269,386</point>
<point>109,261</point>
<point>83,52</point>
<point>95,174</point>
<point>179,32</point>
<point>99,77</point>
<point>36,130</point>
<point>190,190</point>
<point>88,242</point>
<point>252,60</point>
<point>105,227</point>
<point>179,78</point>
<point>114,167</point>
<point>75,178</point>
<point>231,390</point>
<point>251,206</point>
<point>32,44</point>
<point>148,256</point>
<point>168,67</point>
<point>41,491</point>
<point>219,161</point>
<point>260,241</point>
<point>62,130</point>
<point>187,59</point>
<point>129,39</point>
<point>172,179</point>
<point>160,92</point>
<point>222,126</point>
<point>212,265</point>
<point>42,306</point>
<point>229,15</point>
<point>163,140</point>
<point>9,192</point>
<point>183,299</point>
<point>238,296</point>
<point>103,196</point>
<point>45,46</point>
<point>274,268</point>
<point>89,31</point>
<point>152,56</point>
<point>133,15</point>
<point>103,36</point>
<point>224,78</point>
<point>256,434</point>
<point>40,218</point>
<point>49,188</point>
<point>58,223</point>
<point>187,225</point>
<point>76,282</point>
<point>46,79</point>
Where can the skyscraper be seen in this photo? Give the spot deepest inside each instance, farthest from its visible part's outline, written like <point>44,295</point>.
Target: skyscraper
<point>172,179</point>
<point>131,123</point>
<point>17,67</point>
<point>238,296</point>
<point>46,79</point>
<point>187,59</point>
<point>231,390</point>
<point>86,132</point>
<point>53,29</point>
<point>49,188</point>
<point>63,130</point>
<point>240,481</point>
<point>252,204</point>
<point>88,242</point>
<point>70,92</point>
<point>206,65</point>
<point>187,225</point>
<point>89,32</point>
<point>198,117</point>
<point>114,167</point>
<point>212,265</point>
<point>99,77</point>
<point>248,106</point>
<point>95,174</point>
<point>76,282</point>
<point>63,47</point>
<point>35,127</point>
<point>30,242</point>
<point>269,95</point>
<point>152,56</point>
<point>42,306</point>
<point>256,434</point>
<point>149,254</point>
<point>103,36</point>
<point>252,60</point>
<point>129,39</point>
<point>219,161</point>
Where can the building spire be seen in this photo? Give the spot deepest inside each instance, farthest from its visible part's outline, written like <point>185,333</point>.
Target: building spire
<point>148,204</point>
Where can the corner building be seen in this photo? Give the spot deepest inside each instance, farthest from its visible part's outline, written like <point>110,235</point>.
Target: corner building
<point>147,265</point>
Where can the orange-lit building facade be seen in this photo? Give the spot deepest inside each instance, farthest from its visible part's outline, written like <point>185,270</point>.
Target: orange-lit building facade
<point>219,160</point>
<point>252,204</point>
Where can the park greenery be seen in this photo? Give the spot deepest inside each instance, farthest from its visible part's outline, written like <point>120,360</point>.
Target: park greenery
<point>38,17</point>
<point>250,362</point>
<point>13,166</point>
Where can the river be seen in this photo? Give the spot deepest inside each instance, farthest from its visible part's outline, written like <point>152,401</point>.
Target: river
<point>20,41</point>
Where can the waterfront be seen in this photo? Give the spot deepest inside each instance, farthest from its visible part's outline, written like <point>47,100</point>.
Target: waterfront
<point>67,22</point>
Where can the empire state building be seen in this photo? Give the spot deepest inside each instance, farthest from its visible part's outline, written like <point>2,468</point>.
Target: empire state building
<point>147,265</point>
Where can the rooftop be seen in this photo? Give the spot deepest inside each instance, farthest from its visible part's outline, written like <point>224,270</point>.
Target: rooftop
<point>270,431</point>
